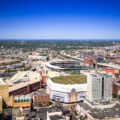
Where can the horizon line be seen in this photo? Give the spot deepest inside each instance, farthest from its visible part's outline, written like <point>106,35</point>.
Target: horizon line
<point>58,39</point>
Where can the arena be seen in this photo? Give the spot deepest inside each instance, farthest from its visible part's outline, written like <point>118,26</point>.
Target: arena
<point>67,89</point>
<point>25,82</point>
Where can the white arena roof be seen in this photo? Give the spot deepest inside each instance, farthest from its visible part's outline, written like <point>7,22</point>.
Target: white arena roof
<point>66,88</point>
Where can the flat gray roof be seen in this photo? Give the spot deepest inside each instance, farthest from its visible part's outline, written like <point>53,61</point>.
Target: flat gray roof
<point>113,112</point>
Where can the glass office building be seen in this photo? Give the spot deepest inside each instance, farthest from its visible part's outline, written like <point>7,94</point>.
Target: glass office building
<point>99,86</point>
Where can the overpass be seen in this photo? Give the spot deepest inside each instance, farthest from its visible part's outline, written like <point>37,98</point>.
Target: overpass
<point>109,65</point>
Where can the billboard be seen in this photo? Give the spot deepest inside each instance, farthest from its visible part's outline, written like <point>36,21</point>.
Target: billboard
<point>81,96</point>
<point>58,96</point>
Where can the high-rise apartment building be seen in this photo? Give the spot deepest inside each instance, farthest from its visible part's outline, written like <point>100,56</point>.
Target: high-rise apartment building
<point>99,86</point>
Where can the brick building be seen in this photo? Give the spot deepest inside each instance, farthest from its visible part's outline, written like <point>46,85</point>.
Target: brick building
<point>29,82</point>
<point>90,61</point>
<point>116,89</point>
<point>27,88</point>
<point>41,98</point>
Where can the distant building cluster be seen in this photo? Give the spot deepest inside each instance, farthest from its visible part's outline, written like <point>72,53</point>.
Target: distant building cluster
<point>44,84</point>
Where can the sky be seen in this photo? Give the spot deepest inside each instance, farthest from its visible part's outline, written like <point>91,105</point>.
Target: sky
<point>59,19</point>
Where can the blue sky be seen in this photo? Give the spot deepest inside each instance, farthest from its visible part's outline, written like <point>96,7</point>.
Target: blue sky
<point>59,19</point>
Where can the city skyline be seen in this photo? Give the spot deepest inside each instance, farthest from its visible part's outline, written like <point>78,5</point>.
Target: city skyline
<point>60,19</point>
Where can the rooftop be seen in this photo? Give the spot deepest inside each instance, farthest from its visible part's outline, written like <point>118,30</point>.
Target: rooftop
<point>73,79</point>
<point>56,117</point>
<point>113,112</point>
<point>117,82</point>
<point>42,112</point>
<point>2,82</point>
<point>22,79</point>
<point>40,92</point>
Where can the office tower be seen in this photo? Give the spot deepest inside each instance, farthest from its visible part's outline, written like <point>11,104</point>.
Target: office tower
<point>99,87</point>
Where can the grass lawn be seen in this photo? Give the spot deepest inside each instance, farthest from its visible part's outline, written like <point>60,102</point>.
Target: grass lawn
<point>73,79</point>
